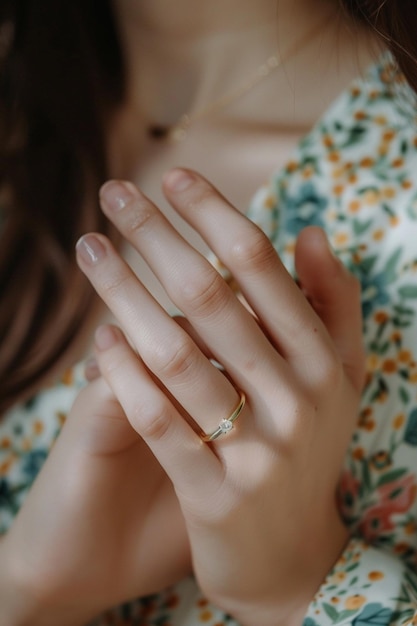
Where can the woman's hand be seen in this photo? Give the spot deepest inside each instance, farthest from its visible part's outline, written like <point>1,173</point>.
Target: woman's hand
<point>259,503</point>
<point>101,524</point>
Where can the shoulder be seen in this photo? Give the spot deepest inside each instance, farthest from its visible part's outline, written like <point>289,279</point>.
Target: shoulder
<point>353,173</point>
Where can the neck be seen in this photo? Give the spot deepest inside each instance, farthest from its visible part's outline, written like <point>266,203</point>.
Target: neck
<point>182,55</point>
<point>191,20</point>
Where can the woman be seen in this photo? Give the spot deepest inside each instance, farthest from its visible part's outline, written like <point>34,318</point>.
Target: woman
<point>243,511</point>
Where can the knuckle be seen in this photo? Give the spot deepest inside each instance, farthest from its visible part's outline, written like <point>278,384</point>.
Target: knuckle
<point>140,216</point>
<point>152,421</point>
<point>114,283</point>
<point>173,360</point>
<point>201,195</point>
<point>110,367</point>
<point>254,252</point>
<point>298,407</point>
<point>204,293</point>
<point>329,374</point>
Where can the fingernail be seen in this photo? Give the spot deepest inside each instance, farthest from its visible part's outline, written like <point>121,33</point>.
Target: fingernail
<point>115,195</point>
<point>178,180</point>
<point>105,337</point>
<point>90,249</point>
<point>319,237</point>
<point>91,369</point>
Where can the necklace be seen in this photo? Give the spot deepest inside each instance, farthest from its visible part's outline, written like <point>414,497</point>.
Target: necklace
<point>178,131</point>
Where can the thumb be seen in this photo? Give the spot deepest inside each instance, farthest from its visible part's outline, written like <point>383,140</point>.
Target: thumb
<point>334,293</point>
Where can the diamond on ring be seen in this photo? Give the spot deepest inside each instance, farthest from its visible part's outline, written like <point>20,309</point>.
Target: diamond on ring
<point>226,425</point>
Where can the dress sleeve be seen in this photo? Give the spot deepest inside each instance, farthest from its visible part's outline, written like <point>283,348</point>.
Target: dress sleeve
<point>367,586</point>
<point>373,229</point>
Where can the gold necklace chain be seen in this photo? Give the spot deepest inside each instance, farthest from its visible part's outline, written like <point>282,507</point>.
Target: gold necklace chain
<point>178,131</point>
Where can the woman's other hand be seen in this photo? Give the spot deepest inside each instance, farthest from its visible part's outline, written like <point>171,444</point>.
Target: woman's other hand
<point>259,503</point>
<point>101,524</point>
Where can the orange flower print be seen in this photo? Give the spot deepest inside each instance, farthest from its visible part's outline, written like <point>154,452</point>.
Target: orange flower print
<point>410,528</point>
<point>360,115</point>
<point>381,460</point>
<point>396,336</point>
<point>401,548</point>
<point>398,421</point>
<point>358,454</point>
<point>365,417</point>
<point>389,366</point>
<point>405,356</point>
<point>367,162</point>
<point>354,206</point>
<point>354,602</point>
<point>397,162</point>
<point>381,317</point>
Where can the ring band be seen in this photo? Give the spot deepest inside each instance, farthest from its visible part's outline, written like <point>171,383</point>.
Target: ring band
<point>226,425</point>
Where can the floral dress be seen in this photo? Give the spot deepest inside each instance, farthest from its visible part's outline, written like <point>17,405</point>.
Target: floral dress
<point>355,175</point>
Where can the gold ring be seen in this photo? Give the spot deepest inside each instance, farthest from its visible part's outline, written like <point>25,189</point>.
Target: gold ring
<point>226,425</point>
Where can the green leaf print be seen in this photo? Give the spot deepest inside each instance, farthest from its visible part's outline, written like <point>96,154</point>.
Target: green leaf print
<point>331,611</point>
<point>404,395</point>
<point>404,146</point>
<point>351,567</point>
<point>390,270</point>
<point>388,210</point>
<point>408,291</point>
<point>383,347</point>
<point>402,310</point>
<point>410,435</point>
<point>367,264</point>
<point>355,135</point>
<point>373,614</point>
<point>366,479</point>
<point>360,227</point>
<point>337,616</point>
<point>310,622</point>
<point>345,614</point>
<point>400,323</point>
<point>391,477</point>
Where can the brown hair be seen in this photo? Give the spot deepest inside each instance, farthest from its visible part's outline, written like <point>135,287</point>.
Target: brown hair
<point>61,74</point>
<point>395,21</point>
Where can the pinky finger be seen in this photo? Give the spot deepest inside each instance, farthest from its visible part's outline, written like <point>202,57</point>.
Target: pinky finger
<point>190,464</point>
<point>91,370</point>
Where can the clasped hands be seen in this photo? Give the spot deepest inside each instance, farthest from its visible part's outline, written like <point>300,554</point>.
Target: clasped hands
<point>253,512</point>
